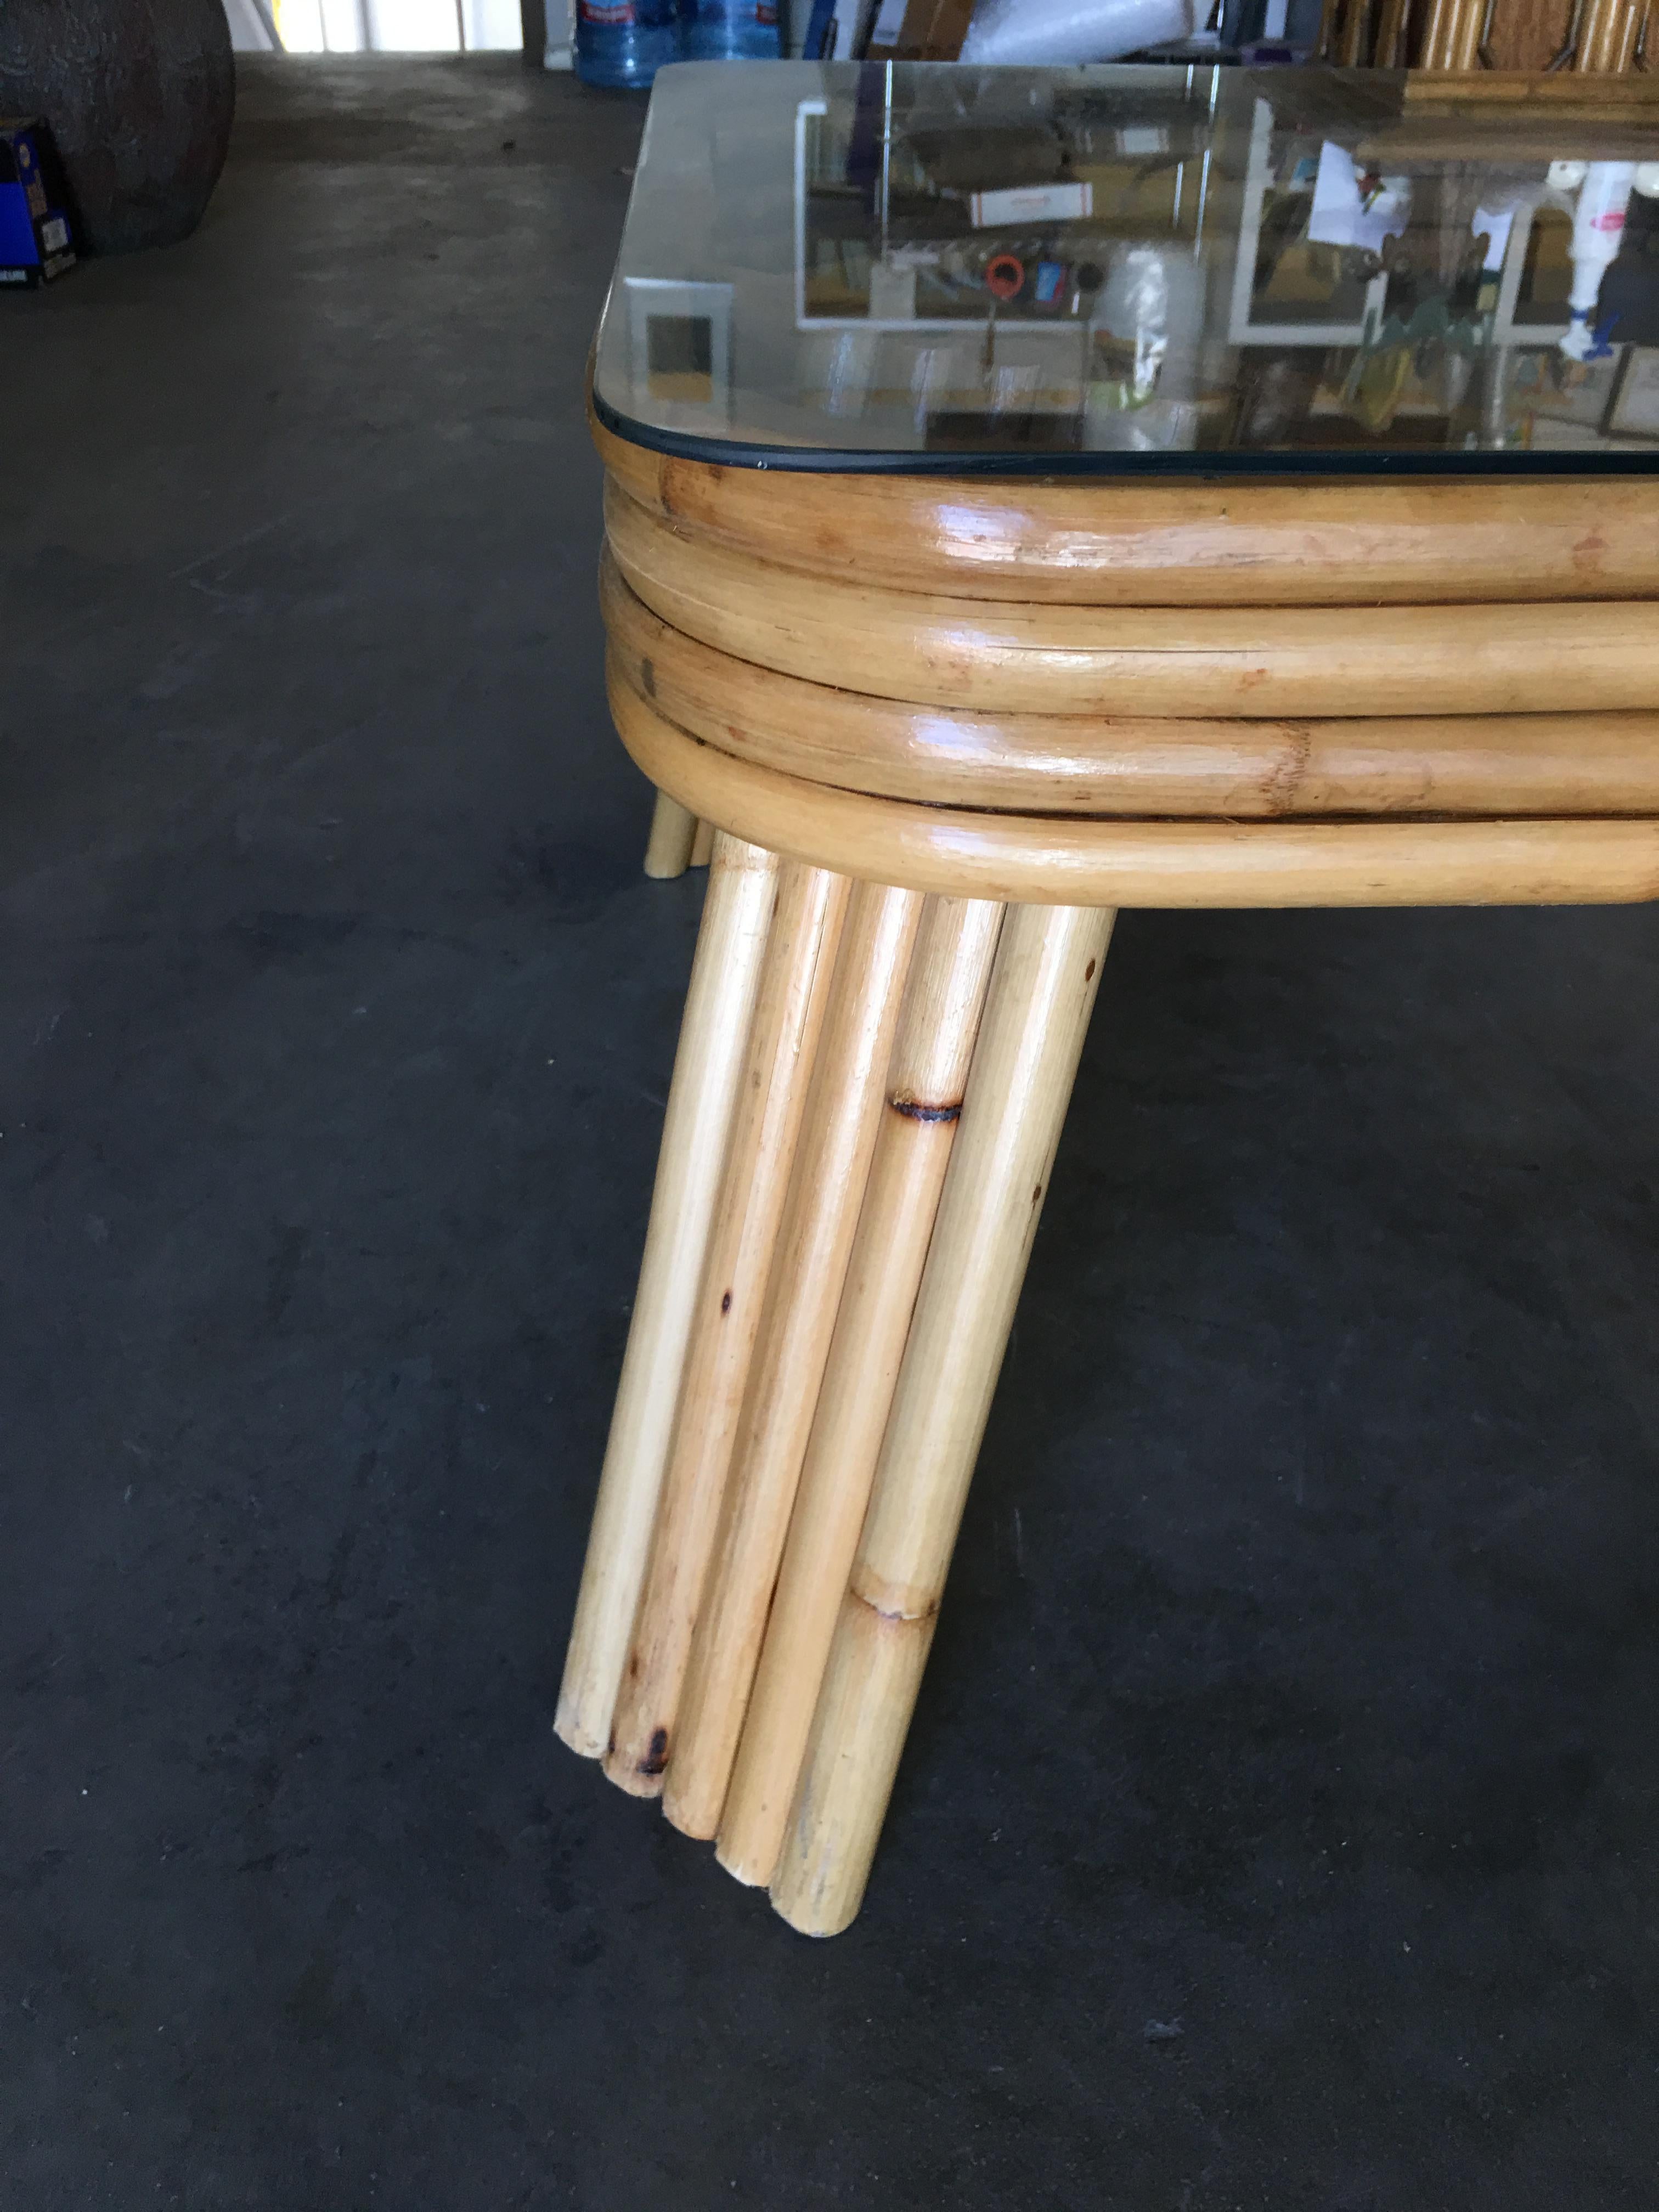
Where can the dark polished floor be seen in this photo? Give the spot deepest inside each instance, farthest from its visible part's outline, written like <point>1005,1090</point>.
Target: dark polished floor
<point>1281,1828</point>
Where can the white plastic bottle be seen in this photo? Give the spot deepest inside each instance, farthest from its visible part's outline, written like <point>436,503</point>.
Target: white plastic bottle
<point>1598,229</point>
<point>1150,317</point>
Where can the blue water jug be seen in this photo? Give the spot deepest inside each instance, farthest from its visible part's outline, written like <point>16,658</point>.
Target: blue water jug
<point>623,43</point>
<point>730,31</point>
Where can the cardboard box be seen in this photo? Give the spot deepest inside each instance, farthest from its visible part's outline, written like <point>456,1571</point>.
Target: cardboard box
<point>919,30</point>
<point>35,241</point>
<point>1032,204</point>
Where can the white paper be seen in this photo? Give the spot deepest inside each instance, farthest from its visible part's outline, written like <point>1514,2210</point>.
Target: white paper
<point>1341,218</point>
<point>892,293</point>
<point>1497,223</point>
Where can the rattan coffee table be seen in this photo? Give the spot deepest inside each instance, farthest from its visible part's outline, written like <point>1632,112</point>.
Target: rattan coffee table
<point>1030,494</point>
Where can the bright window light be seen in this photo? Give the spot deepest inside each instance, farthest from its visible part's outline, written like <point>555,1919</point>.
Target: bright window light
<point>400,26</point>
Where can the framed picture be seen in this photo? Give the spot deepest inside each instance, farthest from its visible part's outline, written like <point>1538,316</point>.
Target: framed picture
<point>1633,409</point>
<point>1301,307</point>
<point>680,336</point>
<point>1557,389</point>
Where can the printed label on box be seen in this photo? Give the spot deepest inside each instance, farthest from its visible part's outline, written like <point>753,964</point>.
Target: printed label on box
<point>1032,204</point>
<point>35,243</point>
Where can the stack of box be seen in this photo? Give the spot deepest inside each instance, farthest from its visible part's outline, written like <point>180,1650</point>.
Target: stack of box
<point>35,242</point>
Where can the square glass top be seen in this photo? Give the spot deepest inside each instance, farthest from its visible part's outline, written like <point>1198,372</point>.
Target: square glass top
<point>1112,270</point>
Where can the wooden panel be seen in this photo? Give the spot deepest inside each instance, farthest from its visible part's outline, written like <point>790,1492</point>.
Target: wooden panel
<point>1064,862</point>
<point>1221,543</point>
<point>1258,663</point>
<point>1527,34</point>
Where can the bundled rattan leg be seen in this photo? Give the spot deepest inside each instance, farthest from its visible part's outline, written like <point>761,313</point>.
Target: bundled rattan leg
<point>789,1009</point>
<point>714,1039</point>
<point>668,849</point>
<point>832,1167</point>
<point>924,1084</point>
<point>1047,973</point>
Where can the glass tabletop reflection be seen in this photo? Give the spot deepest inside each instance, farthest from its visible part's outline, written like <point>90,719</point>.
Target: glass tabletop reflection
<point>1121,269</point>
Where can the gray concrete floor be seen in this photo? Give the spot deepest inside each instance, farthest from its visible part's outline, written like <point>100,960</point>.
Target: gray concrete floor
<point>1279,1827</point>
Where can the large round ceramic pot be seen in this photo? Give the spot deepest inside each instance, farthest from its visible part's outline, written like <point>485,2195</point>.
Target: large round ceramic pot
<point>138,95</point>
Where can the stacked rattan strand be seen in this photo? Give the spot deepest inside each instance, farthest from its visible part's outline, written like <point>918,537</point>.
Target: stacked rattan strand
<point>944,728</point>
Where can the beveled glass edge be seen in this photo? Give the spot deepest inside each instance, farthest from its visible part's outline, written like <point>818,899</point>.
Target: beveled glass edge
<point>1262,461</point>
